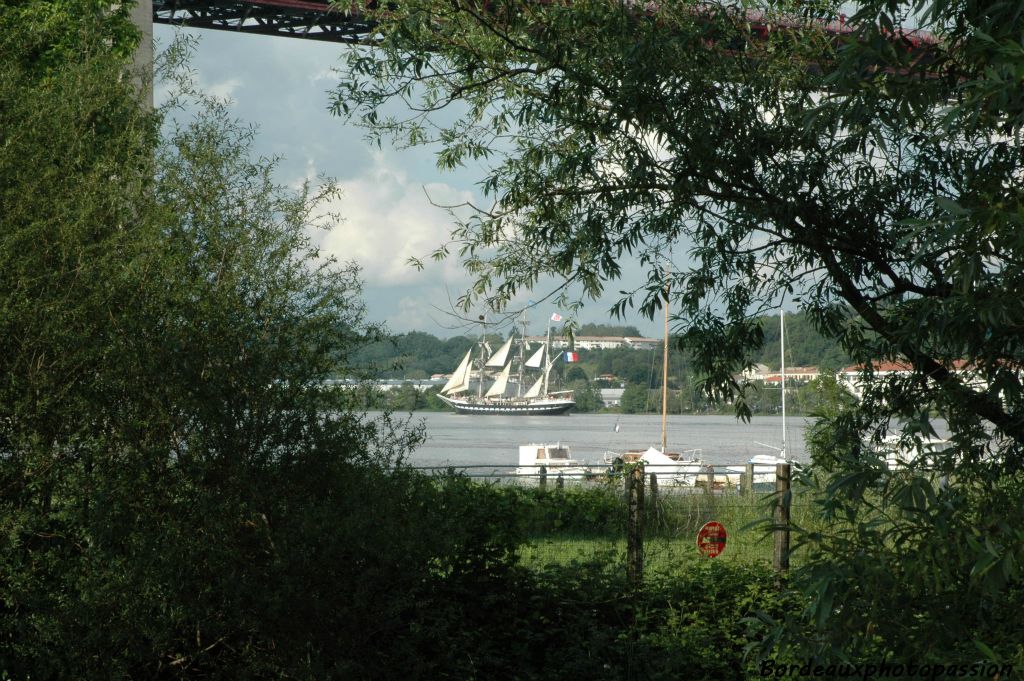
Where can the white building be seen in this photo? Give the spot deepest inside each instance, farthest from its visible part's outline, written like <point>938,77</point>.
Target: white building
<point>794,375</point>
<point>611,397</point>
<point>851,377</point>
<point>600,342</point>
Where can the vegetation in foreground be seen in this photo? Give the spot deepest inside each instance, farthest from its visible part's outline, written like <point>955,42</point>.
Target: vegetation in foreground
<point>179,497</point>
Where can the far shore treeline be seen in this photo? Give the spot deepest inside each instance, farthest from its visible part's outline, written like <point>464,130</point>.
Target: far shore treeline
<point>416,356</point>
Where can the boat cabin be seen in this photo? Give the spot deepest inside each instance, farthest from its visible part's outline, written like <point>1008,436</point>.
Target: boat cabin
<point>545,455</point>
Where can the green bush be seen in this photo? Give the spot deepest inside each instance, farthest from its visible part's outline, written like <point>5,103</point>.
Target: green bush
<point>584,621</point>
<point>572,510</point>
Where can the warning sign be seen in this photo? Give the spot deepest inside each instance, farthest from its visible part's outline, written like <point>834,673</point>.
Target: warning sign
<point>711,539</point>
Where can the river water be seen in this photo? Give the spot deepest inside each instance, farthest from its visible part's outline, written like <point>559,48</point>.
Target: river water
<point>464,440</point>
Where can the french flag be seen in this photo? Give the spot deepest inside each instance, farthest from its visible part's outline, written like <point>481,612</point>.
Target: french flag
<point>572,357</point>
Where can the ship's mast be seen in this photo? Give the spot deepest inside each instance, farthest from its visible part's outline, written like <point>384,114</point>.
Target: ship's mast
<point>547,356</point>
<point>522,358</point>
<point>483,362</point>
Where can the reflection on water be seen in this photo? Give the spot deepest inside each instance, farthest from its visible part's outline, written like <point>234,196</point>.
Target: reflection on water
<point>494,440</point>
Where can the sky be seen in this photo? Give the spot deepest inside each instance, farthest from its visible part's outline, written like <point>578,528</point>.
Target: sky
<point>282,86</point>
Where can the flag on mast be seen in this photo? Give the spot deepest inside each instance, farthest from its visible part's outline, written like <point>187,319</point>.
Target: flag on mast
<point>556,317</point>
<point>572,357</point>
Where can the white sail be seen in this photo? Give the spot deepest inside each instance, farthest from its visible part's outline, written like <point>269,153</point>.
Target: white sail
<point>537,359</point>
<point>535,390</point>
<point>460,377</point>
<point>498,388</point>
<point>498,358</point>
<point>459,389</point>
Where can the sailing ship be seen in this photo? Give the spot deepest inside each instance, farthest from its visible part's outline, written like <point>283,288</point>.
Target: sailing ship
<point>499,398</point>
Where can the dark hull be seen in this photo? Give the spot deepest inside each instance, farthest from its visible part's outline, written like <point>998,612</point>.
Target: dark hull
<point>546,407</point>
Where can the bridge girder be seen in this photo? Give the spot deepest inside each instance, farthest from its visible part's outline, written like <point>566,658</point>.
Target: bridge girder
<point>306,19</point>
<point>318,20</point>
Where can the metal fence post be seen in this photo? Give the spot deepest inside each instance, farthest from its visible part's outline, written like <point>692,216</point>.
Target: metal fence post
<point>560,481</point>
<point>635,525</point>
<point>783,498</point>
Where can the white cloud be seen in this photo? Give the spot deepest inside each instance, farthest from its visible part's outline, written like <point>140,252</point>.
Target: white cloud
<point>388,219</point>
<point>224,89</point>
<point>413,314</point>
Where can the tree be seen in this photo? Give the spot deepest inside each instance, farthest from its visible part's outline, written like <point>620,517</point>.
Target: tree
<point>867,175</point>
<point>625,134</point>
<point>587,396</point>
<point>180,494</point>
<point>574,374</point>
<point>43,37</point>
<point>634,399</point>
<point>607,330</point>
<point>406,398</point>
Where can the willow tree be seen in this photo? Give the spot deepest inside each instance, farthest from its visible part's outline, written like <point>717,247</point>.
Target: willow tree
<point>180,494</point>
<point>785,155</point>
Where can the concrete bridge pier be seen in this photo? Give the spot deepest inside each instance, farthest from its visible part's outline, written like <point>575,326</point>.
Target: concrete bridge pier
<point>142,17</point>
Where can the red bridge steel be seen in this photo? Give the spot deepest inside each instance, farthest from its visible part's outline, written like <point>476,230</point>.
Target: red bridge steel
<point>317,20</point>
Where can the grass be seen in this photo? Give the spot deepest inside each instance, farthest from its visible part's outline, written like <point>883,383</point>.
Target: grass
<point>671,527</point>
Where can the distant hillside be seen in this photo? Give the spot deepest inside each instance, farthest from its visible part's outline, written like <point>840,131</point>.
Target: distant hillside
<point>413,355</point>
<point>804,346</point>
<point>419,355</point>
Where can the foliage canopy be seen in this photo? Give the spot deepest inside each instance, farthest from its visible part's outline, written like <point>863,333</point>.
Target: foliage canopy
<point>870,177</point>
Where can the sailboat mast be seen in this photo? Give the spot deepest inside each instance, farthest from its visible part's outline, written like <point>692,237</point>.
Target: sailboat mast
<point>665,377</point>
<point>782,352</point>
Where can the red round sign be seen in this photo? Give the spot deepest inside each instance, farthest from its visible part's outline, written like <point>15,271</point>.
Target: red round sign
<point>711,539</point>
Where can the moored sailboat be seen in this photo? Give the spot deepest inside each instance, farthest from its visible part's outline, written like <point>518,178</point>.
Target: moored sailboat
<point>763,466</point>
<point>672,468</point>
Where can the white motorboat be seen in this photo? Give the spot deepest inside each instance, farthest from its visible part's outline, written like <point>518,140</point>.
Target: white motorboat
<point>556,460</point>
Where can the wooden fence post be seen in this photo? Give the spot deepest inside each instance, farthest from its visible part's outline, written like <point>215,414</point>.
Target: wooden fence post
<point>783,498</point>
<point>653,482</point>
<point>747,482</point>
<point>635,525</point>
<point>710,479</point>
<point>543,477</point>
<point>560,481</point>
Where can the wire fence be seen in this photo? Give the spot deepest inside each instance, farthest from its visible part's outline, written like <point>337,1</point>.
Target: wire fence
<point>582,515</point>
